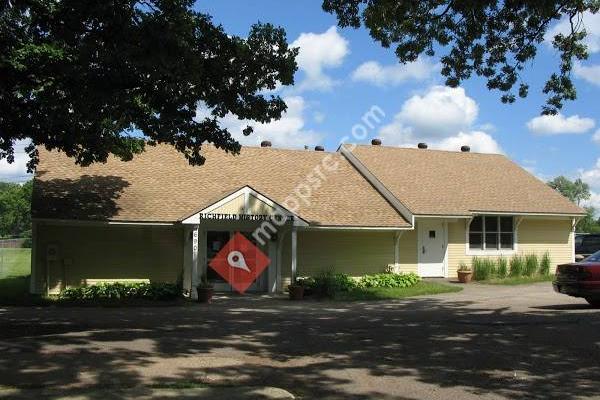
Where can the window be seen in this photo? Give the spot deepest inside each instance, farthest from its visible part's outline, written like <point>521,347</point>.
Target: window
<point>432,234</point>
<point>491,233</point>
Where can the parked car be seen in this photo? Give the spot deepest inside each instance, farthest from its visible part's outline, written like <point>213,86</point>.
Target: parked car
<point>580,279</point>
<point>586,244</point>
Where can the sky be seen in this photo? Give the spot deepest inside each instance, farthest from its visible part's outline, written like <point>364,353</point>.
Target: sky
<point>343,73</point>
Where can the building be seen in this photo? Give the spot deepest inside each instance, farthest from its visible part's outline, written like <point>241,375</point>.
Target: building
<point>356,210</point>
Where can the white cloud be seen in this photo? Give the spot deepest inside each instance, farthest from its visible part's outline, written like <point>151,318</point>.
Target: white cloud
<point>319,51</point>
<point>439,112</point>
<point>596,136</point>
<point>319,117</point>
<point>287,132</point>
<point>559,124</point>
<point>592,176</point>
<point>17,171</point>
<point>443,117</point>
<point>593,201</point>
<point>591,23</point>
<point>590,74</point>
<point>480,142</point>
<point>394,75</point>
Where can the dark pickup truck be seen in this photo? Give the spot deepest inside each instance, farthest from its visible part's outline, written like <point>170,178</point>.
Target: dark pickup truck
<point>586,245</point>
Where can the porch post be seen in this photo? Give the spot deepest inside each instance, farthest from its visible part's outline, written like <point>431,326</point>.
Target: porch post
<point>294,249</point>
<point>195,277</point>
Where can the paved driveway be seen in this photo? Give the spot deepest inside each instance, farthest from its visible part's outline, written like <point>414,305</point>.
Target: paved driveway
<point>491,342</point>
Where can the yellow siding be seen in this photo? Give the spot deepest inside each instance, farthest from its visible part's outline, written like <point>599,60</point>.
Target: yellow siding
<point>354,253</point>
<point>258,207</point>
<point>533,236</point>
<point>408,251</point>
<point>539,236</point>
<point>235,206</point>
<point>108,253</point>
<point>457,246</point>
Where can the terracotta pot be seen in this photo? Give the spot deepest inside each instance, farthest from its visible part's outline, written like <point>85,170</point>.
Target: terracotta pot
<point>205,294</point>
<point>296,292</point>
<point>465,276</point>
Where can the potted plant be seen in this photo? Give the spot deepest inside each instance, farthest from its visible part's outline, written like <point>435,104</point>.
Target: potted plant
<point>296,290</point>
<point>205,290</point>
<point>465,273</point>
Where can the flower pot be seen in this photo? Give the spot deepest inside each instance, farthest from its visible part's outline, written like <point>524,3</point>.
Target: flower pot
<point>465,276</point>
<point>205,294</point>
<point>296,292</point>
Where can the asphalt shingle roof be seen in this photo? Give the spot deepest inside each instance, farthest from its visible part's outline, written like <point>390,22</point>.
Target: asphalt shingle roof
<point>160,185</point>
<point>433,182</point>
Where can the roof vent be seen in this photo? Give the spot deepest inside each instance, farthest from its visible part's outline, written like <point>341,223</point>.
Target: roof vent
<point>465,149</point>
<point>422,145</point>
<point>265,143</point>
<point>319,148</point>
<point>376,142</point>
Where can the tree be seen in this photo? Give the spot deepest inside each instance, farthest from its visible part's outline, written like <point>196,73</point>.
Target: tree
<point>493,39</point>
<point>576,190</point>
<point>94,78</point>
<point>15,209</point>
<point>588,224</point>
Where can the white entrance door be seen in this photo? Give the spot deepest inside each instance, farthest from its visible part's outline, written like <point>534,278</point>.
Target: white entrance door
<point>432,248</point>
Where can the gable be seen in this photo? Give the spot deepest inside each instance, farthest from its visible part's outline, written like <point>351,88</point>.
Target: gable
<point>244,201</point>
<point>244,204</point>
<point>235,206</point>
<point>256,206</point>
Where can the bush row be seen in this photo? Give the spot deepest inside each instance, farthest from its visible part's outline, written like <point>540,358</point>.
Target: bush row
<point>328,283</point>
<point>121,291</point>
<point>518,265</point>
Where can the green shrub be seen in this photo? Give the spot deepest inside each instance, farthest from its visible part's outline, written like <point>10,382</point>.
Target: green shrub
<point>545,263</point>
<point>121,291</point>
<point>328,283</point>
<point>387,280</point>
<point>531,265</point>
<point>517,265</point>
<point>483,268</point>
<point>502,270</point>
<point>490,265</point>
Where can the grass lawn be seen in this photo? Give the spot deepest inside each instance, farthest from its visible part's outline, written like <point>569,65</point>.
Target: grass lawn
<point>518,280</point>
<point>15,268</point>
<point>421,288</point>
<point>15,262</point>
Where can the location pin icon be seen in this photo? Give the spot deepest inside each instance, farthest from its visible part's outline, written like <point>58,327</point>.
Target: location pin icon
<point>236,260</point>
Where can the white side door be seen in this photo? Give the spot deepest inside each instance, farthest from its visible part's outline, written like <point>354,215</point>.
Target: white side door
<point>432,248</point>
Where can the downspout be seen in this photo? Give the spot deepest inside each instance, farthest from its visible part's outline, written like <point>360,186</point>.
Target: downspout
<point>294,249</point>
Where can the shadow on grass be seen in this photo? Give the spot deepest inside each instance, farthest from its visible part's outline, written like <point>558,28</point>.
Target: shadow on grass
<point>331,350</point>
<point>14,291</point>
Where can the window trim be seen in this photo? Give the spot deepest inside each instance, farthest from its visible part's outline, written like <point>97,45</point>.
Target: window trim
<point>493,252</point>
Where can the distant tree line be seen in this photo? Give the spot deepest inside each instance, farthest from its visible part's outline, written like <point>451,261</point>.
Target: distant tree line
<point>578,191</point>
<point>15,209</point>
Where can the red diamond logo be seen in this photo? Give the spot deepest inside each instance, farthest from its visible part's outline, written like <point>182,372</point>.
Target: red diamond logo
<point>240,262</point>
